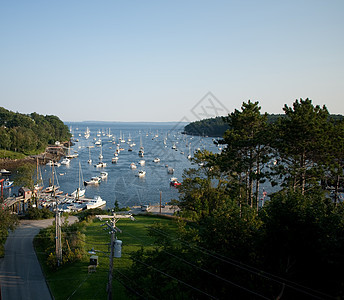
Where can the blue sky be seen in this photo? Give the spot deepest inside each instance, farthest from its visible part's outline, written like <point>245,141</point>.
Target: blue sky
<point>155,60</point>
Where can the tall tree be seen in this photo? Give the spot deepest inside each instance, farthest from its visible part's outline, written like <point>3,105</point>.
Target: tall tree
<point>336,157</point>
<point>247,149</point>
<point>301,140</point>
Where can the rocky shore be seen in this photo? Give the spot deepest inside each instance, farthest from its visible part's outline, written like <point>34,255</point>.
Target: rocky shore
<point>51,153</point>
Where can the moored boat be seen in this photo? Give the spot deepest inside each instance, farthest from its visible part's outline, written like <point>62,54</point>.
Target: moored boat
<point>7,183</point>
<point>78,193</point>
<point>96,202</point>
<point>5,172</point>
<point>65,161</point>
<point>141,173</point>
<point>94,181</point>
<point>100,165</point>
<point>174,181</point>
<point>104,175</point>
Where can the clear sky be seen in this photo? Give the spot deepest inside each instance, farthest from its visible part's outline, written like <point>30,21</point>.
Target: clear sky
<point>145,60</point>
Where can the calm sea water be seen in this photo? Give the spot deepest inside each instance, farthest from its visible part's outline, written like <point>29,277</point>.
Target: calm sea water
<point>122,183</point>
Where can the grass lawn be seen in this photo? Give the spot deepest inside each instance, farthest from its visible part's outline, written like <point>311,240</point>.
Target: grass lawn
<point>74,282</point>
<point>11,154</point>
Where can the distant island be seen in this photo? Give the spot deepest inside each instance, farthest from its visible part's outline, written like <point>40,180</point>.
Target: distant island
<point>216,127</point>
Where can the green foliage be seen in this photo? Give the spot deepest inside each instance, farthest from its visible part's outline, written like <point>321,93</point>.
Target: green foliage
<point>208,127</point>
<point>73,239</point>
<point>301,140</point>
<point>24,176</point>
<point>303,240</point>
<point>89,213</point>
<point>200,193</point>
<point>247,150</point>
<point>8,221</point>
<point>10,154</point>
<point>30,134</point>
<point>232,247</point>
<point>34,213</point>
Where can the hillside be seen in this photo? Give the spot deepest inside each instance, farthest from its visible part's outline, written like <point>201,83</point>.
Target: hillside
<point>29,134</point>
<point>216,127</point>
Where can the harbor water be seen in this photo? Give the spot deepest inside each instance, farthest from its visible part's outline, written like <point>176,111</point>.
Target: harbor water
<point>159,140</point>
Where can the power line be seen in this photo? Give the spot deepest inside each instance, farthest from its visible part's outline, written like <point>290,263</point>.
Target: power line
<point>130,288</point>
<point>212,274</point>
<point>251,269</point>
<point>170,276</point>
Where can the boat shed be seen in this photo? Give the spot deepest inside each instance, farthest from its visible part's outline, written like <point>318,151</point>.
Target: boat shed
<point>25,193</point>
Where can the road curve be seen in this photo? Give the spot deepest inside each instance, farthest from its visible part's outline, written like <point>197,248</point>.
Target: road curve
<point>21,276</point>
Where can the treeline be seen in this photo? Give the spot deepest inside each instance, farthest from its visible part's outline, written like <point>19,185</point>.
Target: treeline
<point>216,127</point>
<point>234,246</point>
<point>29,134</point>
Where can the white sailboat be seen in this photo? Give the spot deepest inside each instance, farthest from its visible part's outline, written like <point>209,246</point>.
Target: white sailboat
<point>89,155</point>
<point>70,155</point>
<point>79,192</point>
<point>101,153</point>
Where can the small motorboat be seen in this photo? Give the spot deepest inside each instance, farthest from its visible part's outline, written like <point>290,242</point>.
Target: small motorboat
<point>141,173</point>
<point>174,182</point>
<point>94,181</point>
<point>104,175</point>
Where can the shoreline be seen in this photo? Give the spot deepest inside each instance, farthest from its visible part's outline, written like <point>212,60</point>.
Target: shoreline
<point>52,152</point>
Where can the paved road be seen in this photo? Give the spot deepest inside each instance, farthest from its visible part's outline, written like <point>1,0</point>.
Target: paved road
<point>155,209</point>
<point>21,276</point>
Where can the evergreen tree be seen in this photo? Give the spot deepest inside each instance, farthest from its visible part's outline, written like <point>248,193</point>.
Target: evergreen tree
<point>301,141</point>
<point>246,150</point>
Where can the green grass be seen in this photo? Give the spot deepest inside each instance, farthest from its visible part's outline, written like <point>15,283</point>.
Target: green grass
<point>11,154</point>
<point>74,282</point>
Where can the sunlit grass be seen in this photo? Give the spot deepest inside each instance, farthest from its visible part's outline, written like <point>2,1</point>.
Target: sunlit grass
<point>74,282</point>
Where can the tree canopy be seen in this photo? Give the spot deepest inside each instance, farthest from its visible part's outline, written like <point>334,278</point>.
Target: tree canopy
<point>30,133</point>
<point>235,247</point>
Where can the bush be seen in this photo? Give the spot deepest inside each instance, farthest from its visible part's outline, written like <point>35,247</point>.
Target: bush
<point>34,213</point>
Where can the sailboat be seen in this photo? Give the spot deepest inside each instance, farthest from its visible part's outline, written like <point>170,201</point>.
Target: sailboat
<point>109,134</point>
<point>39,182</point>
<point>79,192</point>
<point>189,156</point>
<point>69,155</point>
<point>52,188</point>
<point>141,151</point>
<point>100,164</point>
<point>101,153</point>
<point>89,156</point>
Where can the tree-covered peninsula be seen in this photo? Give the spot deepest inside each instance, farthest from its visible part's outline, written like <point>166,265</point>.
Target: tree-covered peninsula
<point>29,133</point>
<point>216,127</point>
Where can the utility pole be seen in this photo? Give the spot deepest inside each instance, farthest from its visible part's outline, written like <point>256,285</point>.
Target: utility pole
<point>113,230</point>
<point>58,243</point>
<point>109,285</point>
<point>160,201</point>
<point>116,249</point>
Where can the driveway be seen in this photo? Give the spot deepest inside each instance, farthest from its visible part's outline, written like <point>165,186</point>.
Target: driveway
<point>21,276</point>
